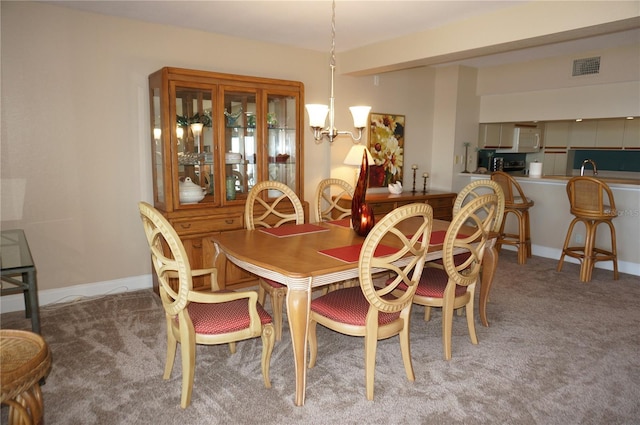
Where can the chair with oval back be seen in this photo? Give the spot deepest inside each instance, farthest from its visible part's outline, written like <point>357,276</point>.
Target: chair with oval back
<point>198,317</point>
<point>454,287</point>
<point>374,312</point>
<point>261,210</point>
<point>329,193</point>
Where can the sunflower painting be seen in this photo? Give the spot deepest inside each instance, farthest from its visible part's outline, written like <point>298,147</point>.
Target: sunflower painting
<point>386,144</point>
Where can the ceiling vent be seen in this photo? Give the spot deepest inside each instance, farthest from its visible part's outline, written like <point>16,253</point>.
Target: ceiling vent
<point>586,66</point>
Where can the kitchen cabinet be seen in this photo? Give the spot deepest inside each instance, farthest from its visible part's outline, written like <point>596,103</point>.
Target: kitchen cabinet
<point>610,133</point>
<point>631,137</point>
<point>217,135</point>
<point>556,134</point>
<point>583,134</point>
<point>495,136</point>
<point>554,163</point>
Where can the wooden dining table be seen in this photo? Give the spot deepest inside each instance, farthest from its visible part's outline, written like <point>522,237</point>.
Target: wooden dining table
<point>302,258</point>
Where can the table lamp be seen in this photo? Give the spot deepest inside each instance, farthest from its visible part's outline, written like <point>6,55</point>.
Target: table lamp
<point>354,158</point>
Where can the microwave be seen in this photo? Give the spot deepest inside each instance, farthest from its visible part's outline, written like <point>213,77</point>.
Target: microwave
<point>525,140</point>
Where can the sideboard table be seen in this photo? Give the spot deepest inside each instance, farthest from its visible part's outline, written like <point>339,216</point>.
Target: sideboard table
<point>16,260</point>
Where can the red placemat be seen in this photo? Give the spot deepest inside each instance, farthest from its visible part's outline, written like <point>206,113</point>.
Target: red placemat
<point>345,222</point>
<point>298,229</point>
<point>351,253</point>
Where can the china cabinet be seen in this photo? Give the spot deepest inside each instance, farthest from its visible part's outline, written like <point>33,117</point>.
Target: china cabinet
<point>213,137</point>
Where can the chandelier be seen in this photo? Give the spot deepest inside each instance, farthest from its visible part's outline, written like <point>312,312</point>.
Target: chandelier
<point>318,113</point>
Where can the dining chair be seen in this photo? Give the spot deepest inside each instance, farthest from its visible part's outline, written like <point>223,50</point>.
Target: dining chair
<point>261,210</point>
<point>516,203</point>
<point>198,317</point>
<point>329,193</point>
<point>371,311</point>
<point>453,287</point>
<point>592,204</point>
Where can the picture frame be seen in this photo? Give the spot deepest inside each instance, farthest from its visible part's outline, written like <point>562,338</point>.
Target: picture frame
<point>386,145</point>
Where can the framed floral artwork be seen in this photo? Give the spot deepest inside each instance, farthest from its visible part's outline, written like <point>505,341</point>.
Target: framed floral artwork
<point>386,144</point>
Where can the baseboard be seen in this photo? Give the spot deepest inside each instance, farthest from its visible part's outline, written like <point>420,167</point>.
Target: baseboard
<point>554,254</point>
<point>11,303</point>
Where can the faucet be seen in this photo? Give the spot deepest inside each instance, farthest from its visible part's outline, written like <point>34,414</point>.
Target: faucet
<point>593,165</point>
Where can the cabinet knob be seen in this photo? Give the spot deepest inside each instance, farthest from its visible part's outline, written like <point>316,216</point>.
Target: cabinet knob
<point>185,225</point>
<point>229,221</point>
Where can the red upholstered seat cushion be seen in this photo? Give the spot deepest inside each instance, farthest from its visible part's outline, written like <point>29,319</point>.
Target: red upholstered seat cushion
<point>273,283</point>
<point>348,306</point>
<point>457,259</point>
<point>213,319</point>
<point>433,283</point>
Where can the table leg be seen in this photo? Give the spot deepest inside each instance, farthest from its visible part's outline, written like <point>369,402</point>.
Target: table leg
<point>33,308</point>
<point>298,301</point>
<point>489,265</point>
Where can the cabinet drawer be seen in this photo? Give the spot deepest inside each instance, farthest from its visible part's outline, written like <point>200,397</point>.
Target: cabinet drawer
<point>382,208</point>
<point>441,202</point>
<point>208,225</point>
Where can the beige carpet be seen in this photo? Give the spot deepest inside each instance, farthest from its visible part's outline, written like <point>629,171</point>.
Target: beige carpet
<point>557,352</point>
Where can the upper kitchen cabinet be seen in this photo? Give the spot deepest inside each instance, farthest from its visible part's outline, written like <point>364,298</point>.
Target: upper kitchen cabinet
<point>556,134</point>
<point>610,133</point>
<point>583,134</point>
<point>496,136</point>
<point>631,138</point>
<point>213,137</point>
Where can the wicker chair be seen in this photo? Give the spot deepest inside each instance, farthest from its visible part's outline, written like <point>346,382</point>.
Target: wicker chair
<point>518,204</point>
<point>195,317</point>
<point>372,312</point>
<point>327,202</point>
<point>454,287</point>
<point>264,213</point>
<point>592,204</point>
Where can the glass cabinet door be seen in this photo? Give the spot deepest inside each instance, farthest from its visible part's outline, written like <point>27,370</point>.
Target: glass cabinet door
<point>240,143</point>
<point>192,140</point>
<point>282,138</point>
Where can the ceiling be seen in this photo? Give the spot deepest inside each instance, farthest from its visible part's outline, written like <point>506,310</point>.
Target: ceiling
<point>307,23</point>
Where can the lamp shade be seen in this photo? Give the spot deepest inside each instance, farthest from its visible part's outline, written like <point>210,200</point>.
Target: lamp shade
<point>354,157</point>
<point>196,128</point>
<point>317,114</point>
<point>360,114</point>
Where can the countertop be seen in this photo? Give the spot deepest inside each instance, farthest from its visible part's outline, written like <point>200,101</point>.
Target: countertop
<point>608,180</point>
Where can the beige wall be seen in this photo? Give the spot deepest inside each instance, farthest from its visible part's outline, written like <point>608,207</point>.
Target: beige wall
<point>74,143</point>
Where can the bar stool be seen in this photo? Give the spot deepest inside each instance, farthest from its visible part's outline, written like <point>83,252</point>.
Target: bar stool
<point>25,359</point>
<point>589,206</point>
<point>516,203</point>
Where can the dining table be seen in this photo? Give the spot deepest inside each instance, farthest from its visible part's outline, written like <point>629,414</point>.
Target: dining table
<point>313,255</point>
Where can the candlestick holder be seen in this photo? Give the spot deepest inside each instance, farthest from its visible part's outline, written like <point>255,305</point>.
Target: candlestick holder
<point>414,167</point>
<point>424,184</point>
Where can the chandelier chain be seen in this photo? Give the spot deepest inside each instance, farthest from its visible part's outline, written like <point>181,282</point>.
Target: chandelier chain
<point>333,34</point>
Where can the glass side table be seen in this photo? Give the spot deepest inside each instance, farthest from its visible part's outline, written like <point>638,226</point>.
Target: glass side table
<point>16,260</point>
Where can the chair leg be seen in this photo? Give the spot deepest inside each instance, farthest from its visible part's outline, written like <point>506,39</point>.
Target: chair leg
<point>268,341</point>
<point>567,241</point>
<point>614,250</point>
<point>405,349</point>
<point>313,343</point>
<point>172,345</point>
<point>471,324</point>
<point>590,240</point>
<point>370,346</point>
<point>447,319</point>
<point>188,352</point>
